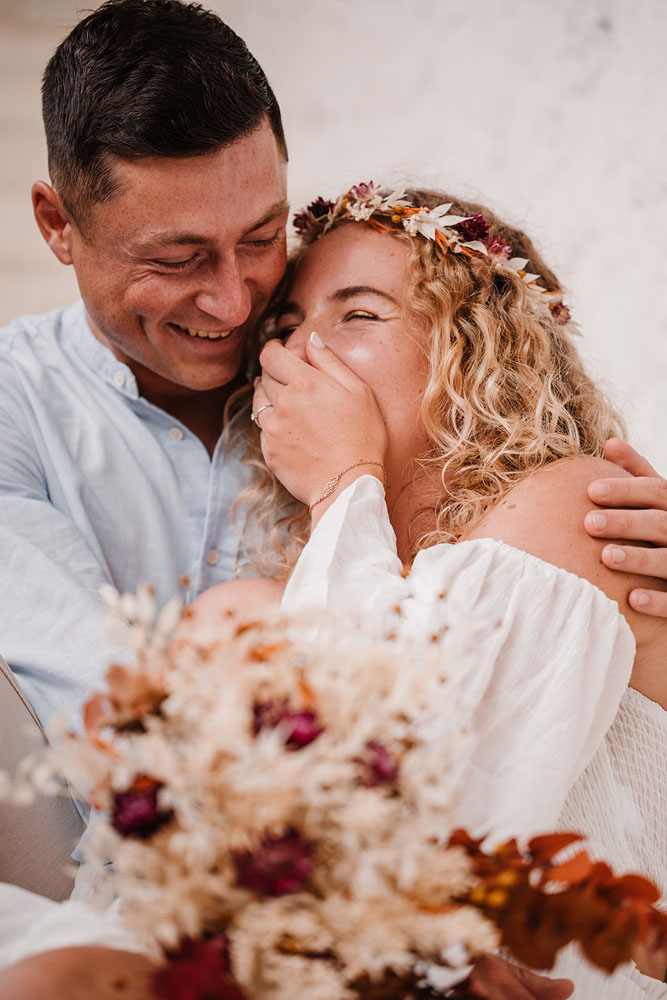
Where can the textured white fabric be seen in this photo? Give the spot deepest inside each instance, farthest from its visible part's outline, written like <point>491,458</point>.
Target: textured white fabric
<point>620,801</point>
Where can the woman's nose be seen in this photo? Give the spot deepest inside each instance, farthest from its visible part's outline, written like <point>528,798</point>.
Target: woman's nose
<point>296,342</point>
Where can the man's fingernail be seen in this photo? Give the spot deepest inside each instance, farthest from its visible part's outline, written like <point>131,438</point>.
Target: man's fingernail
<point>617,554</point>
<point>599,521</point>
<point>600,490</point>
<point>316,340</point>
<point>640,599</point>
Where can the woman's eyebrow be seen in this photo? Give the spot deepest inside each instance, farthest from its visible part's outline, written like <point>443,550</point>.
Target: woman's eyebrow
<point>287,308</point>
<point>342,294</point>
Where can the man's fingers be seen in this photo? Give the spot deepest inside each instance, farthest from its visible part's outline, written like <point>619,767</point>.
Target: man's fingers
<point>636,559</point>
<point>649,602</point>
<point>620,453</point>
<point>638,525</point>
<point>643,491</point>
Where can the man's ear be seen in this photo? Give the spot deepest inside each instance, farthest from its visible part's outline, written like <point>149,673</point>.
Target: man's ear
<point>54,221</point>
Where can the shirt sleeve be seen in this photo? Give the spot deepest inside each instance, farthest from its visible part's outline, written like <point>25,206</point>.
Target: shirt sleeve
<point>538,658</point>
<point>50,577</point>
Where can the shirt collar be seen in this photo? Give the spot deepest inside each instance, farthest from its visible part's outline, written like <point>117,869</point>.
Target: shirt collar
<point>98,357</point>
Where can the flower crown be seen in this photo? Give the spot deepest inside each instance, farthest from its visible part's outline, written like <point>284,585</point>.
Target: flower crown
<point>464,235</point>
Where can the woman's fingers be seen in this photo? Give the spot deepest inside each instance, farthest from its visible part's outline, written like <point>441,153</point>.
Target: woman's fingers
<point>621,453</point>
<point>285,366</point>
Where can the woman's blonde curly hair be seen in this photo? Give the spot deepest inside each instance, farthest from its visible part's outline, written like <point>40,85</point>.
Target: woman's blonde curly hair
<point>507,392</point>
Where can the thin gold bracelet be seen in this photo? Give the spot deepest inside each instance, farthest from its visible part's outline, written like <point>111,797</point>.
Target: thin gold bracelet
<point>332,485</point>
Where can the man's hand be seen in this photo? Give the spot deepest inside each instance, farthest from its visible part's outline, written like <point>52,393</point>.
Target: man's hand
<point>494,979</point>
<point>637,512</point>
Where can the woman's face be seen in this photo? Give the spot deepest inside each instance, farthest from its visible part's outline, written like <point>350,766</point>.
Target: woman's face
<point>350,287</point>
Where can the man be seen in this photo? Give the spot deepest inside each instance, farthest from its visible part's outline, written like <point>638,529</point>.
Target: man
<point>168,197</point>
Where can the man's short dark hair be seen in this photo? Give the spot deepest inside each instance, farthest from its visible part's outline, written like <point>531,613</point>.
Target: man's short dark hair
<point>140,78</point>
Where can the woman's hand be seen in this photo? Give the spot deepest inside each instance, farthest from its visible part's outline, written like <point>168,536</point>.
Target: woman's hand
<point>319,418</point>
<point>638,512</point>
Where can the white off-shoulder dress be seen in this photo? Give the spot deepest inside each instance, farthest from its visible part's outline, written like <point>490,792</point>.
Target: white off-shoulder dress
<point>556,738</point>
<point>560,741</point>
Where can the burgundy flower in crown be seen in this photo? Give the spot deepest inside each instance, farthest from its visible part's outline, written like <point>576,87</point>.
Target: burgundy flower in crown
<point>279,865</point>
<point>135,812</point>
<point>363,191</point>
<point>305,221</point>
<point>301,728</point>
<point>378,766</point>
<point>199,970</point>
<point>475,228</point>
<point>560,313</point>
<point>498,249</point>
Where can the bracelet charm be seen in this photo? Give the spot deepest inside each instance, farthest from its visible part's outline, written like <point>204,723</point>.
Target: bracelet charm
<point>332,485</point>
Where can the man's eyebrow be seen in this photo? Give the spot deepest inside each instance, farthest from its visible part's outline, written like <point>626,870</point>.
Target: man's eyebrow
<point>279,208</point>
<point>169,238</point>
<point>342,294</point>
<point>174,238</point>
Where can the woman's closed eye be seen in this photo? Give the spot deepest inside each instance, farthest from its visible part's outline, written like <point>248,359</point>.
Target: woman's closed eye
<point>360,314</point>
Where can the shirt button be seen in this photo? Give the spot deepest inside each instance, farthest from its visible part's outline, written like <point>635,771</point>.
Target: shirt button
<point>212,557</point>
<point>119,378</point>
<point>175,433</point>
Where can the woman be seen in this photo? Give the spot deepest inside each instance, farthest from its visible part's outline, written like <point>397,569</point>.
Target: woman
<point>443,368</point>
<point>438,367</point>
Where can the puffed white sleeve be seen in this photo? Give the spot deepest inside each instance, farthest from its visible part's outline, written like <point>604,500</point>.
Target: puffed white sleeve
<point>538,658</point>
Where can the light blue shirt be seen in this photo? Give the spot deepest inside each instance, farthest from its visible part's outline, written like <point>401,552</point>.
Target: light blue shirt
<point>97,485</point>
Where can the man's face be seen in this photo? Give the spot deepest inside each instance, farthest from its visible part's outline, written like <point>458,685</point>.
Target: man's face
<point>179,263</point>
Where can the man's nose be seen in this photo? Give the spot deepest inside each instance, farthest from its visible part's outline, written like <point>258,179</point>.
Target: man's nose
<point>225,295</point>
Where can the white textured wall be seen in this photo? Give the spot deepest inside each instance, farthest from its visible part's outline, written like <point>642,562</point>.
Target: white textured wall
<point>551,110</point>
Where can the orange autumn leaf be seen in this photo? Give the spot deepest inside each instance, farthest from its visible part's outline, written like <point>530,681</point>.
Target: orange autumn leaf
<point>547,846</point>
<point>574,870</point>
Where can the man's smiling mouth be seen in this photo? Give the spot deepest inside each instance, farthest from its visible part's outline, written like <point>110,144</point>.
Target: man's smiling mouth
<point>204,334</point>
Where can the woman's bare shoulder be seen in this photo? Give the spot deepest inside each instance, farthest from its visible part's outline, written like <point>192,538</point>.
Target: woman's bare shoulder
<point>544,513</point>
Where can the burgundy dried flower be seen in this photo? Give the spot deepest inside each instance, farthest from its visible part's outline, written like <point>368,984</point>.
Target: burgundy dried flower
<point>378,765</point>
<point>560,313</point>
<point>320,207</point>
<point>199,970</point>
<point>475,228</point>
<point>279,865</point>
<point>301,224</point>
<point>301,727</point>
<point>303,221</point>
<point>499,248</point>
<point>135,812</point>
<point>362,191</point>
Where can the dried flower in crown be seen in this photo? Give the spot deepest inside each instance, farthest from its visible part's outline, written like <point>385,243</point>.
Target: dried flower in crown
<point>466,236</point>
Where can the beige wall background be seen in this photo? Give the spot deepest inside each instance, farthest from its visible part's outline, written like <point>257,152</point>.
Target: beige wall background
<point>553,111</point>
